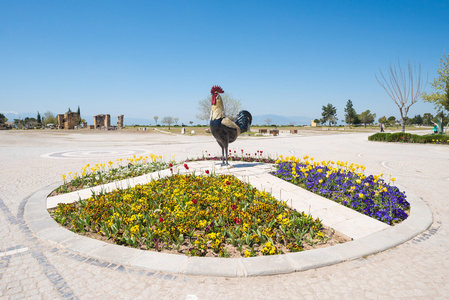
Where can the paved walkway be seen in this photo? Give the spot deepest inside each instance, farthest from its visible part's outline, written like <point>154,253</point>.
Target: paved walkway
<point>35,268</point>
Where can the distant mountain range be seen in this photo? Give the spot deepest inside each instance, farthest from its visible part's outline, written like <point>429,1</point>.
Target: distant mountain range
<point>281,120</point>
<point>257,120</point>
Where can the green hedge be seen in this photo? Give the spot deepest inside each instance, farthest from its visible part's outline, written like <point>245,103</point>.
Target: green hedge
<point>409,138</point>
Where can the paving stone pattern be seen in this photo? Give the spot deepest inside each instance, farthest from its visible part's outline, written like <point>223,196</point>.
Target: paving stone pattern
<point>33,269</point>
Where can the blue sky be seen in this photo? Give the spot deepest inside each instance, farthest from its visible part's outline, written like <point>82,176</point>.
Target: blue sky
<point>147,58</point>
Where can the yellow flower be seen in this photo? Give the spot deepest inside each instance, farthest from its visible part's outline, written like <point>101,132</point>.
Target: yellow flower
<point>361,195</point>
<point>247,253</point>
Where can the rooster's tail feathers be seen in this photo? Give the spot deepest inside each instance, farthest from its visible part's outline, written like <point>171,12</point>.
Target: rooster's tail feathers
<point>243,120</point>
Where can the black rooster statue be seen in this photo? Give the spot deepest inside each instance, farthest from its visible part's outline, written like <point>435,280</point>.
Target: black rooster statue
<point>223,129</point>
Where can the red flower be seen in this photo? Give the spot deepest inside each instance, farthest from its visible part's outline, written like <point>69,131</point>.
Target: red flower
<point>207,172</point>
<point>194,201</point>
<point>261,151</point>
<point>233,206</point>
<point>237,221</point>
<point>170,165</point>
<point>228,183</point>
<point>171,169</point>
<point>186,166</point>
<point>242,150</point>
<point>161,220</point>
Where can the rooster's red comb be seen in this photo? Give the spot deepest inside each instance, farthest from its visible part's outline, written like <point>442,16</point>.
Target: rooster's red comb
<point>216,89</point>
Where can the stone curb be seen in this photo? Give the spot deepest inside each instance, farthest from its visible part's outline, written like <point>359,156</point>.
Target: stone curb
<point>45,228</point>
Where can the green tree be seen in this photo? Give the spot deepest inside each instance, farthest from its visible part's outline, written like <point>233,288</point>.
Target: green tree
<point>3,119</point>
<point>329,114</point>
<point>39,119</point>
<point>350,113</point>
<point>427,119</point>
<point>440,97</point>
<point>391,120</point>
<point>19,123</point>
<point>79,115</point>
<point>383,120</point>
<point>367,117</point>
<point>418,120</point>
<point>402,86</point>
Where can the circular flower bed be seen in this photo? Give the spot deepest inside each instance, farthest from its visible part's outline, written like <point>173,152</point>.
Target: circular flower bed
<point>205,215</point>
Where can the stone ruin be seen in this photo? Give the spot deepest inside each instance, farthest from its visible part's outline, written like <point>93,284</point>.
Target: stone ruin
<point>120,121</point>
<point>102,121</point>
<point>68,120</point>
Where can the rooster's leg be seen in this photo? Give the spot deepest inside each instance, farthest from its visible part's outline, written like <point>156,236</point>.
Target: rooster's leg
<point>226,156</point>
<point>223,156</point>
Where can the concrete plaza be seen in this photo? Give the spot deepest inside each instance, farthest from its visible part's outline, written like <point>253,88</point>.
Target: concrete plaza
<point>31,267</point>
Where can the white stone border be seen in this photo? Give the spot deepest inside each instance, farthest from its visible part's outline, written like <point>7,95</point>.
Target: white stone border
<point>45,228</point>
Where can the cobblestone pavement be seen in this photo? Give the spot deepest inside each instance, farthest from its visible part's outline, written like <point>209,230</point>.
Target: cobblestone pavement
<point>30,268</point>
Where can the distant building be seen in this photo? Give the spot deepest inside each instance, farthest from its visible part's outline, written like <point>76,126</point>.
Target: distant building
<point>68,120</point>
<point>102,121</point>
<point>313,124</point>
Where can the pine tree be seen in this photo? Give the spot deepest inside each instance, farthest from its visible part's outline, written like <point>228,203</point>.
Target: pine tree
<point>39,119</point>
<point>79,115</point>
<point>350,113</point>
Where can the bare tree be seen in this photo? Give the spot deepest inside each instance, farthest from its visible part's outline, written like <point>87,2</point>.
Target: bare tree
<point>155,119</point>
<point>168,121</point>
<point>268,121</point>
<point>231,107</point>
<point>402,86</point>
<point>176,120</point>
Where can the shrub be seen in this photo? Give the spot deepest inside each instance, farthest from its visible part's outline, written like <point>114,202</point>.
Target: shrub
<point>410,138</point>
